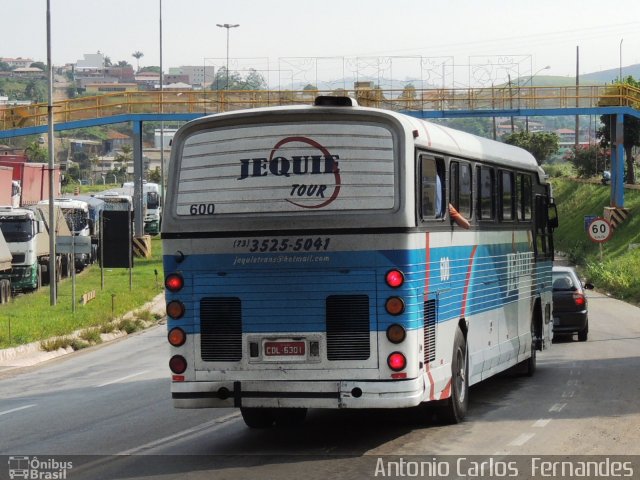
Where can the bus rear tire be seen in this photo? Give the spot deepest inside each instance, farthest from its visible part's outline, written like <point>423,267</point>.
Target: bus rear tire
<point>455,407</point>
<point>257,417</point>
<point>528,367</point>
<point>290,417</point>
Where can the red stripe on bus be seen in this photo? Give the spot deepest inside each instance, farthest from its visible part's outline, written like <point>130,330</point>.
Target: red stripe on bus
<point>427,270</point>
<point>466,282</point>
<point>446,392</point>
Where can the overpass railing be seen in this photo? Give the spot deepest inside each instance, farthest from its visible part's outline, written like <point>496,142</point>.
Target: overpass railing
<point>208,101</point>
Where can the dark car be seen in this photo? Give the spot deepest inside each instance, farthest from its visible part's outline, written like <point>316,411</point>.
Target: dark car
<point>570,314</point>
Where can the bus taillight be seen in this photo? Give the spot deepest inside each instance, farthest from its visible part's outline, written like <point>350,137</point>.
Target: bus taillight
<point>174,282</point>
<point>396,361</point>
<point>396,333</point>
<point>175,309</point>
<point>177,337</point>
<point>394,278</point>
<point>394,305</point>
<point>178,364</point>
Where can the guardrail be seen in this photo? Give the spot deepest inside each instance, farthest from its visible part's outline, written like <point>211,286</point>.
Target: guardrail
<point>208,101</point>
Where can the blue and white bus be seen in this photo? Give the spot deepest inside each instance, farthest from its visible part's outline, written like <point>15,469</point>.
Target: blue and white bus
<point>335,256</point>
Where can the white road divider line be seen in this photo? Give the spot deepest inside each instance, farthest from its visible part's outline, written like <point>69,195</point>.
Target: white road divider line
<point>522,439</point>
<point>543,422</point>
<point>557,407</point>
<point>118,380</point>
<point>6,412</point>
<point>164,442</point>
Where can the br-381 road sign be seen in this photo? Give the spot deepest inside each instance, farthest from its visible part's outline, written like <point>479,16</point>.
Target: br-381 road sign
<point>599,230</point>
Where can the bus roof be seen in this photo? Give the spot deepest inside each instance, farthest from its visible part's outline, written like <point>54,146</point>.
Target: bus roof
<point>427,135</point>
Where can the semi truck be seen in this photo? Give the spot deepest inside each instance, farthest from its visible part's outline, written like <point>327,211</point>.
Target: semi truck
<point>5,270</point>
<point>64,262</point>
<point>96,206</point>
<point>76,213</point>
<point>28,241</point>
<point>151,204</point>
<point>32,178</point>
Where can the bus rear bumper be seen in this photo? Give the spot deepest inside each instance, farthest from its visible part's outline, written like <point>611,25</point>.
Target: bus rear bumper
<point>292,394</point>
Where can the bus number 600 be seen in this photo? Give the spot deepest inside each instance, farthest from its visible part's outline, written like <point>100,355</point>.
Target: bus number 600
<point>202,209</point>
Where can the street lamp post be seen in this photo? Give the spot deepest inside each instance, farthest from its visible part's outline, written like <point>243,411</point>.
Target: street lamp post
<point>228,26</point>
<point>530,81</point>
<point>621,59</point>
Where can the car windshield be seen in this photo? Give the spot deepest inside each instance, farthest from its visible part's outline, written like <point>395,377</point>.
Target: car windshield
<point>16,230</point>
<point>563,281</point>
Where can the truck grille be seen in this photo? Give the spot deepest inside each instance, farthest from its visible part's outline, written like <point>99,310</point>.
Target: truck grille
<point>221,329</point>
<point>347,323</point>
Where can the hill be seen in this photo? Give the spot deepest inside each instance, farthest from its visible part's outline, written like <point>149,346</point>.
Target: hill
<point>619,270</point>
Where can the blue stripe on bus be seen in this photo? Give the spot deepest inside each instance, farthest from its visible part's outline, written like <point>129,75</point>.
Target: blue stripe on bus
<point>291,297</point>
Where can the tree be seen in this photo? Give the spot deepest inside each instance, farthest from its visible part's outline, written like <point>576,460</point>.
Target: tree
<point>540,144</point>
<point>137,55</point>
<point>253,81</point>
<point>36,152</point>
<point>585,159</point>
<point>123,63</point>
<point>5,67</point>
<point>631,130</point>
<point>149,69</point>
<point>35,91</point>
<point>39,65</point>
<point>155,175</point>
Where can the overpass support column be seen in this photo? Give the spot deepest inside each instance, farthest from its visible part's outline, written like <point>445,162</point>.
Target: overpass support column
<point>137,179</point>
<point>617,163</point>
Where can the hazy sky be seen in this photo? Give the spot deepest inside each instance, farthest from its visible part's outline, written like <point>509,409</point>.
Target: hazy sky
<point>536,32</point>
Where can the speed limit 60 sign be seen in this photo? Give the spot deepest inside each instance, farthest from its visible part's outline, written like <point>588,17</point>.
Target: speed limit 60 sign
<point>599,230</point>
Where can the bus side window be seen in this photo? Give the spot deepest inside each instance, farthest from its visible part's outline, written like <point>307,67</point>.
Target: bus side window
<point>460,187</point>
<point>486,191</point>
<point>506,196</point>
<point>524,197</point>
<point>432,187</point>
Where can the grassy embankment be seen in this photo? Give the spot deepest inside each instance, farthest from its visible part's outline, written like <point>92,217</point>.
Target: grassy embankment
<point>30,317</point>
<point>619,271</point>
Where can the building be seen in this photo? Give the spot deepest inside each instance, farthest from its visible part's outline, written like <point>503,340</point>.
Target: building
<point>115,141</point>
<point>28,72</point>
<point>168,137</point>
<point>198,76</point>
<point>176,78</point>
<point>17,62</point>
<point>98,88</point>
<point>92,62</point>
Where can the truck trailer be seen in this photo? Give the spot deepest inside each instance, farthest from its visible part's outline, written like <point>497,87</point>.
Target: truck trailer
<point>33,179</point>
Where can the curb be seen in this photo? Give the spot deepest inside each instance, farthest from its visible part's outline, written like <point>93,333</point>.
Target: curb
<point>32,354</point>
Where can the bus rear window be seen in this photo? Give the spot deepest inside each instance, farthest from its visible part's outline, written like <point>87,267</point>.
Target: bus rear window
<point>288,167</point>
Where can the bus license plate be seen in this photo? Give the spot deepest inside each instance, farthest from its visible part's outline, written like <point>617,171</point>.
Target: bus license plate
<point>288,349</point>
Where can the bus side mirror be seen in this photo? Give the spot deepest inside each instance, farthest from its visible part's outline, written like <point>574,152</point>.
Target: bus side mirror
<point>553,216</point>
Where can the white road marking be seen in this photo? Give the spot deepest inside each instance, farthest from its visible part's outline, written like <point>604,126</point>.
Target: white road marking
<point>6,412</point>
<point>209,427</point>
<point>522,439</point>
<point>118,380</point>
<point>568,394</point>
<point>557,407</point>
<point>543,422</point>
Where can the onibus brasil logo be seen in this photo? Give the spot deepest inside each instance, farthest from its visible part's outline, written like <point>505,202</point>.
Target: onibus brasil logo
<point>298,165</point>
<point>38,469</point>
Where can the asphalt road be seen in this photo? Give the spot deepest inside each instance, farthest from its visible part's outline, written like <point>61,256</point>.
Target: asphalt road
<point>115,400</point>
